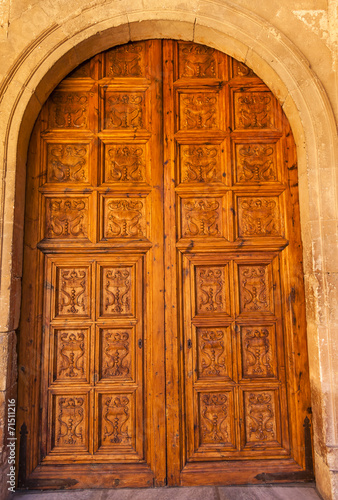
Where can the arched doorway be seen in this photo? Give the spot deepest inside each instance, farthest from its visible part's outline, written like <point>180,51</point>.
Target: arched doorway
<point>163,282</point>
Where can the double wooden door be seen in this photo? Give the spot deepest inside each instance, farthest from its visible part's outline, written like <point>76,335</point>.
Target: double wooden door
<point>162,338</point>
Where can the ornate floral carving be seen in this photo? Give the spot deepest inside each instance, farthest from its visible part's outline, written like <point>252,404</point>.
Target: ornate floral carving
<point>72,291</point>
<point>211,359</point>
<point>116,291</point>
<point>253,110</point>
<point>125,111</point>
<point>71,354</point>
<point>67,163</point>
<point>126,61</point>
<point>197,61</point>
<point>116,419</point>
<point>257,354</point>
<point>199,164</point>
<point>214,414</point>
<point>260,417</point>
<point>116,354</point>
<point>254,289</point>
<point>202,217</point>
<point>199,111</point>
<point>70,417</point>
<point>67,217</point>
<point>210,283</point>
<point>125,164</point>
<point>240,69</point>
<point>69,110</point>
<point>256,163</point>
<point>124,218</point>
<point>258,216</point>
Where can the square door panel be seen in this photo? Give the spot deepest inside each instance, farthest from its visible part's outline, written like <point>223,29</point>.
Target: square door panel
<point>116,292</point>
<point>256,162</point>
<point>258,356</point>
<point>124,218</point>
<point>253,110</point>
<point>212,292</point>
<point>201,164</point>
<point>199,110</point>
<point>203,217</point>
<point>125,163</point>
<point>216,417</point>
<point>256,289</point>
<point>69,110</point>
<point>214,353</point>
<point>72,355</point>
<point>197,61</point>
<point>259,216</point>
<point>262,419</point>
<point>69,422</point>
<point>123,110</point>
<point>69,217</point>
<point>116,349</point>
<point>72,291</point>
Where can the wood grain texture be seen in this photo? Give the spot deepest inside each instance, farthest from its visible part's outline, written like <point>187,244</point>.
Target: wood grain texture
<point>162,337</point>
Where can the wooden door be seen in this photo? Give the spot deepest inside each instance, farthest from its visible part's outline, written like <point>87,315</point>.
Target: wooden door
<point>163,328</point>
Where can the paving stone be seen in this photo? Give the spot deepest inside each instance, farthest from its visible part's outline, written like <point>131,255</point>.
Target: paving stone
<point>268,493</point>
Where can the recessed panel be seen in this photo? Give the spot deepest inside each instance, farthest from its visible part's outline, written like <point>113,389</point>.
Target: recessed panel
<point>72,355</point>
<point>73,292</point>
<point>212,296</point>
<point>214,353</point>
<point>117,291</point>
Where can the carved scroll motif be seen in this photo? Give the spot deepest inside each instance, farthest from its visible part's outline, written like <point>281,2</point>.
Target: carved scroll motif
<point>126,61</point>
<point>211,351</point>
<point>116,419</point>
<point>116,354</point>
<point>125,111</point>
<point>258,217</point>
<point>202,218</point>
<point>67,218</point>
<point>254,289</point>
<point>67,163</point>
<point>71,355</point>
<point>253,110</point>
<point>69,110</point>
<point>70,418</point>
<point>125,164</point>
<point>199,111</point>
<point>117,291</point>
<point>214,414</point>
<point>260,418</point>
<point>124,219</point>
<point>240,69</point>
<point>256,163</point>
<point>72,292</point>
<point>197,61</point>
<point>210,294</point>
<point>257,354</point>
<point>199,164</point>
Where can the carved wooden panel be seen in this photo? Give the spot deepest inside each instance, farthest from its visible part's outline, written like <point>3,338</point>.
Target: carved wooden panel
<point>70,414</point>
<point>67,217</point>
<point>72,355</point>
<point>255,163</point>
<point>216,415</point>
<point>116,422</point>
<point>202,217</point>
<point>124,163</point>
<point>126,61</point>
<point>255,289</point>
<point>200,164</point>
<point>68,162</point>
<point>69,110</point>
<point>241,69</point>
<point>124,110</point>
<point>261,418</point>
<point>214,353</point>
<point>116,354</point>
<point>258,350</point>
<point>199,111</point>
<point>254,110</point>
<point>124,218</point>
<point>197,61</point>
<point>258,216</point>
<point>212,290</point>
<point>117,291</point>
<point>72,290</point>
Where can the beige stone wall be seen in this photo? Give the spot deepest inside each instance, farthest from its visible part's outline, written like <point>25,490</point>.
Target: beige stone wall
<point>292,45</point>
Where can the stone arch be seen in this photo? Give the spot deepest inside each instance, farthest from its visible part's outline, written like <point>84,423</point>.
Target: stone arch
<point>61,47</point>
